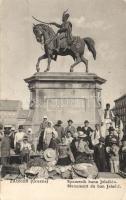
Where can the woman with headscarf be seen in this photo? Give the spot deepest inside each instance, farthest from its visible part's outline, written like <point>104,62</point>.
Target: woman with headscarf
<point>48,134</point>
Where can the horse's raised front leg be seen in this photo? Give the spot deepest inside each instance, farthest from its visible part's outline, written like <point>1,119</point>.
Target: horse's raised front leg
<point>48,67</point>
<point>85,61</point>
<point>78,60</point>
<point>39,59</point>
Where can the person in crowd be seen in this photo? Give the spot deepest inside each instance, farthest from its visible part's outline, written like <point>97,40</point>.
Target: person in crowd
<point>65,156</point>
<point>48,134</point>
<point>25,149</point>
<point>124,130</point>
<point>96,134</point>
<point>69,138</point>
<point>114,156</point>
<point>118,125</point>
<point>70,128</point>
<point>1,136</point>
<point>108,116</point>
<point>12,137</point>
<point>1,132</point>
<point>59,128</point>
<point>87,130</point>
<point>19,138</point>
<point>108,144</point>
<point>108,139</point>
<point>29,135</point>
<point>43,125</point>
<point>74,144</point>
<point>31,139</point>
<point>54,141</point>
<point>122,155</point>
<point>100,155</point>
<point>5,148</point>
<point>83,150</point>
<point>103,129</point>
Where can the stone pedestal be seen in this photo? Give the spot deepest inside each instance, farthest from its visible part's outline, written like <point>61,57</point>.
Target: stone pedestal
<point>64,96</point>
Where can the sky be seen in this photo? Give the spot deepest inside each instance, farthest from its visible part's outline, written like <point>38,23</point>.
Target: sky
<point>103,20</point>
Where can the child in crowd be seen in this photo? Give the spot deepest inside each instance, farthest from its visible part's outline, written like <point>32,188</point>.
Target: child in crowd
<point>25,149</point>
<point>18,139</point>
<point>114,156</point>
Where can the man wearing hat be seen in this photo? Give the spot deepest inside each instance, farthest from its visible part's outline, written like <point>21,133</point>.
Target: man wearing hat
<point>70,128</point>
<point>59,129</point>
<point>43,125</point>
<point>100,155</point>
<point>12,136</point>
<point>19,138</point>
<point>86,129</point>
<point>65,31</point>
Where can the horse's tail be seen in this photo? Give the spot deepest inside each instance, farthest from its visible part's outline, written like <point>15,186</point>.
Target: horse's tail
<point>91,46</point>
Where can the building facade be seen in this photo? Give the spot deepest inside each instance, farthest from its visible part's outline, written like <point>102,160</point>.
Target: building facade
<point>120,108</point>
<point>12,113</point>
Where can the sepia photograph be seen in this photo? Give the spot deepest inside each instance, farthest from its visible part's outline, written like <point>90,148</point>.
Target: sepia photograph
<point>63,90</point>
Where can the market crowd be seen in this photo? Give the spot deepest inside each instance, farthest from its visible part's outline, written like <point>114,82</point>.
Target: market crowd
<point>104,145</point>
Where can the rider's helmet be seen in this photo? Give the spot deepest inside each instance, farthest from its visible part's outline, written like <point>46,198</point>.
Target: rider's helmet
<point>65,15</point>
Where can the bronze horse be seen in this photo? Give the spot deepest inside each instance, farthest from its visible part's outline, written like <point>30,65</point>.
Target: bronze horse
<point>46,36</point>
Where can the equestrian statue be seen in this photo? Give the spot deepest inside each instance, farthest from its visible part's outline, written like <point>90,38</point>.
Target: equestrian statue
<point>62,43</point>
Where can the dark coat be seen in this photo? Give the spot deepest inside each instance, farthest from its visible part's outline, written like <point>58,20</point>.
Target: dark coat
<point>73,148</point>
<point>88,132</point>
<point>122,158</point>
<point>40,145</point>
<point>54,143</point>
<point>100,157</point>
<point>59,130</point>
<point>108,140</point>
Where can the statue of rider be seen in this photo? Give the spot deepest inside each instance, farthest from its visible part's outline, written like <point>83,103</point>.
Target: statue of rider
<point>64,29</point>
